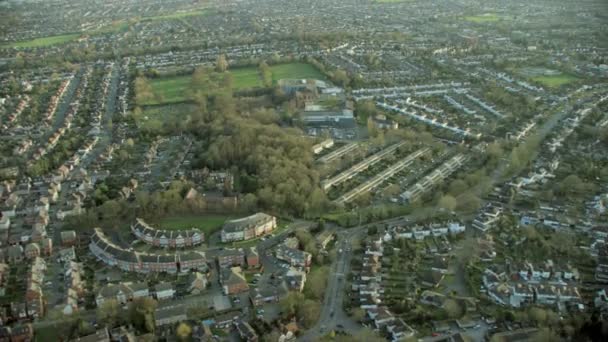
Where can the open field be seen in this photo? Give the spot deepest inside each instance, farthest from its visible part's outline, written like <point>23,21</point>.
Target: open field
<point>484,18</point>
<point>245,78</point>
<point>553,81</point>
<point>178,15</point>
<point>155,117</point>
<point>295,70</point>
<point>170,89</point>
<point>174,89</point>
<point>45,41</point>
<point>207,223</point>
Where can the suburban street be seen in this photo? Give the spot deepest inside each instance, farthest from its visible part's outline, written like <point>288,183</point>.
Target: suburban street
<point>332,313</point>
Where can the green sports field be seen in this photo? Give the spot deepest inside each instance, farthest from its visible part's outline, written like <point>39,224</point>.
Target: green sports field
<point>178,15</point>
<point>554,81</point>
<point>45,41</point>
<point>170,90</point>
<point>295,70</point>
<point>484,18</point>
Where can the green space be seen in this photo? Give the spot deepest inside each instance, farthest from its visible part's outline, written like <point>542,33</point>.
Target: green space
<point>175,89</point>
<point>44,41</point>
<point>245,78</point>
<point>154,117</point>
<point>116,26</point>
<point>207,223</point>
<point>391,1</point>
<point>177,15</point>
<point>484,18</point>
<point>554,81</point>
<point>169,89</point>
<point>295,70</point>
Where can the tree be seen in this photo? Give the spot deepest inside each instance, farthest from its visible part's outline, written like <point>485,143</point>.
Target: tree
<point>545,335</point>
<point>289,304</point>
<point>141,314</point>
<point>309,312</point>
<point>108,312</point>
<point>468,202</point>
<point>538,315</point>
<point>447,202</point>
<point>143,91</point>
<point>358,314</point>
<point>221,65</point>
<point>183,331</point>
<point>452,308</point>
<point>316,283</point>
<point>341,78</point>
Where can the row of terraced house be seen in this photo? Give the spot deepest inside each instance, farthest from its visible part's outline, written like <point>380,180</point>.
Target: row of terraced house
<point>129,260</point>
<point>166,238</point>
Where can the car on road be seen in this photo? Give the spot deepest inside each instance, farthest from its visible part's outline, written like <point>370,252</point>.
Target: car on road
<point>331,314</point>
<point>339,326</point>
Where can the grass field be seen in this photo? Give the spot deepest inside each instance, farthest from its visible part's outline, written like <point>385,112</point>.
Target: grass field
<point>246,78</point>
<point>484,18</point>
<point>295,70</point>
<point>174,89</point>
<point>170,90</point>
<point>45,41</point>
<point>207,223</point>
<point>554,81</point>
<point>178,15</point>
<point>154,117</point>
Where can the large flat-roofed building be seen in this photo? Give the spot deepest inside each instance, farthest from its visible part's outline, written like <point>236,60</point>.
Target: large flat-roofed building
<point>329,118</point>
<point>248,227</point>
<point>291,86</point>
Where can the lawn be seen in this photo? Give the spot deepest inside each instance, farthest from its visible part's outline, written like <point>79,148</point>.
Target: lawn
<point>246,78</point>
<point>44,41</point>
<point>485,18</point>
<point>169,89</point>
<point>155,116</point>
<point>207,223</point>
<point>177,15</point>
<point>174,89</point>
<point>295,70</point>
<point>555,81</point>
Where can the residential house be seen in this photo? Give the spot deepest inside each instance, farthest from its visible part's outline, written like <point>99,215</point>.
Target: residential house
<point>101,335</point>
<point>197,283</point>
<point>263,296</point>
<point>233,281</point>
<point>246,331</point>
<point>119,292</point>
<point>164,291</point>
<point>294,257</point>
<point>32,250</point>
<point>170,315</point>
<point>295,279</point>
<point>68,238</point>
<point>252,257</point>
<point>231,257</point>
